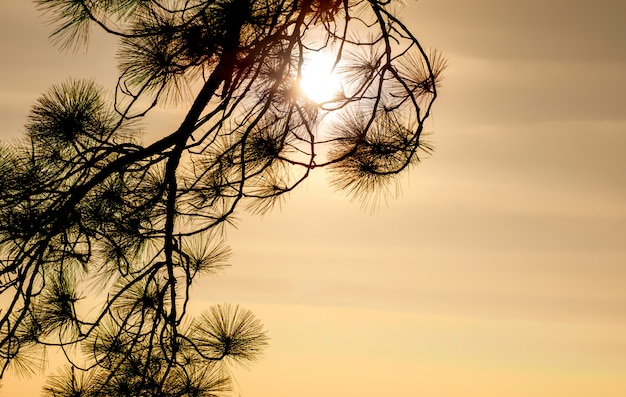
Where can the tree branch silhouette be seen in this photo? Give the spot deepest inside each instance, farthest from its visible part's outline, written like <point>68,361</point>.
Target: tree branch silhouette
<point>102,235</point>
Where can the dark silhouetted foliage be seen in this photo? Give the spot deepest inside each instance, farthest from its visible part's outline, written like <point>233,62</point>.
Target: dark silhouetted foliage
<point>102,235</point>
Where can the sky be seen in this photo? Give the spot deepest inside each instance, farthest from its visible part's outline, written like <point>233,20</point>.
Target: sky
<point>500,269</point>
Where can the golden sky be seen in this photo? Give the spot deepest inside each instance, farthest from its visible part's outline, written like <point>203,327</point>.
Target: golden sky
<point>499,271</point>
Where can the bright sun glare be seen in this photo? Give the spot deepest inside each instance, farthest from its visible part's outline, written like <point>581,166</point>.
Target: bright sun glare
<point>319,82</point>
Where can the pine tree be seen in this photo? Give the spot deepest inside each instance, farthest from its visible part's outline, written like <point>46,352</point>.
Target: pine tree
<point>86,206</point>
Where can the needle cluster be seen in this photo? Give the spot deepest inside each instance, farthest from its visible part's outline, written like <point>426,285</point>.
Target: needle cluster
<point>102,235</point>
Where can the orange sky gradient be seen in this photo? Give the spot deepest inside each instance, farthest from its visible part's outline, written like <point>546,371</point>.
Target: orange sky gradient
<point>499,271</point>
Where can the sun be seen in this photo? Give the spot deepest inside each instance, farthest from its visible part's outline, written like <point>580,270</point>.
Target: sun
<point>319,82</point>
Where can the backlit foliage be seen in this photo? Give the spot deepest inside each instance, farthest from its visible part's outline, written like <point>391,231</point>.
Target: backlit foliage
<point>103,235</point>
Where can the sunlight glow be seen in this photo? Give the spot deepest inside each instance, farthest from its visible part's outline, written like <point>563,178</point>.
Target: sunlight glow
<point>319,82</point>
